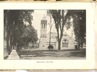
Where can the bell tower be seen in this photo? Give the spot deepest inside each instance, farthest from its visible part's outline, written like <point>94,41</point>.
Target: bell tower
<point>43,28</point>
<point>43,33</point>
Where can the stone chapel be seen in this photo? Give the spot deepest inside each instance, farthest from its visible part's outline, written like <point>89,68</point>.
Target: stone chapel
<point>66,43</point>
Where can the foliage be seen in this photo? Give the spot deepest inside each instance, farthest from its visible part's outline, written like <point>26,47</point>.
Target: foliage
<point>29,35</point>
<point>14,25</point>
<point>50,47</point>
<point>60,18</point>
<point>79,24</point>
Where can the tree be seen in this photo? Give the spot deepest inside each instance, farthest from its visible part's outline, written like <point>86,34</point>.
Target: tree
<point>80,27</point>
<point>79,24</point>
<point>60,18</point>
<point>50,27</point>
<point>29,35</point>
<point>14,25</point>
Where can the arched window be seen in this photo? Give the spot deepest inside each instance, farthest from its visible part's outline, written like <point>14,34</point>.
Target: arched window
<point>65,43</point>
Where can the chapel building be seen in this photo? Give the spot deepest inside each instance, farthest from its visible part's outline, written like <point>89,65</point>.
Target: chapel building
<point>66,43</point>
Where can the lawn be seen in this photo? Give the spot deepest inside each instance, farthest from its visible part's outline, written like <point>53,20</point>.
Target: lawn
<point>24,54</point>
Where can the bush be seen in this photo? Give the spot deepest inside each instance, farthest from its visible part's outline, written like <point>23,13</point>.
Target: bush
<point>50,47</point>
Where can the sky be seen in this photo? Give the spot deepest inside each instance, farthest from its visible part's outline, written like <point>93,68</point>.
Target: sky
<point>38,15</point>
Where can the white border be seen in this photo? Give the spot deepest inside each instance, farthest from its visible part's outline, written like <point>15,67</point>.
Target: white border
<point>88,63</point>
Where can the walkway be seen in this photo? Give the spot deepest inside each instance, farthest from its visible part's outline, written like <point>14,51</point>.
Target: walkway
<point>13,55</point>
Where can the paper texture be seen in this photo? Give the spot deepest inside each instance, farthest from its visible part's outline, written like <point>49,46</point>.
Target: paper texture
<point>46,70</point>
<point>49,0</point>
<point>87,63</point>
<point>95,35</point>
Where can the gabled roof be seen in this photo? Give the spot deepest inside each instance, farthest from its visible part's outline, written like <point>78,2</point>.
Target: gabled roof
<point>64,34</point>
<point>70,37</point>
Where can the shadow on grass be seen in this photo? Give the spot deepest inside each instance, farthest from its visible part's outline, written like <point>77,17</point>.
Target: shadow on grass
<point>53,53</point>
<point>78,53</point>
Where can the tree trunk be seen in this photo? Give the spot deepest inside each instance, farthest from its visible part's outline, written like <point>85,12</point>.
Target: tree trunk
<point>7,37</point>
<point>78,46</point>
<point>81,44</point>
<point>59,44</point>
<point>50,37</point>
<point>8,41</point>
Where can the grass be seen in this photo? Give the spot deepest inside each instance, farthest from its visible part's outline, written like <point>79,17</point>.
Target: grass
<point>54,53</point>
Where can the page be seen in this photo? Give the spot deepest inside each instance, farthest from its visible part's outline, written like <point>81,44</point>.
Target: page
<point>49,0</point>
<point>95,36</point>
<point>29,36</point>
<point>28,0</point>
<point>45,70</point>
<point>75,0</point>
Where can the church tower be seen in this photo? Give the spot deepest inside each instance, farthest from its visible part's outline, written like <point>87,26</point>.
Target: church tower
<point>43,28</point>
<point>43,33</point>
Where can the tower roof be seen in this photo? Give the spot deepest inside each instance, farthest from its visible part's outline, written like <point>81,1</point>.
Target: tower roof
<point>44,20</point>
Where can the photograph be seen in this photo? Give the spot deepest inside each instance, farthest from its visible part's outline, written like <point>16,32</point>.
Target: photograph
<point>55,34</point>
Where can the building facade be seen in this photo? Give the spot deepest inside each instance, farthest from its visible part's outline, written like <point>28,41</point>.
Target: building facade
<point>46,39</point>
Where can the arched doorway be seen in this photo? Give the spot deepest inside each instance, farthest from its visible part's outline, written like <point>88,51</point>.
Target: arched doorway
<point>65,43</point>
